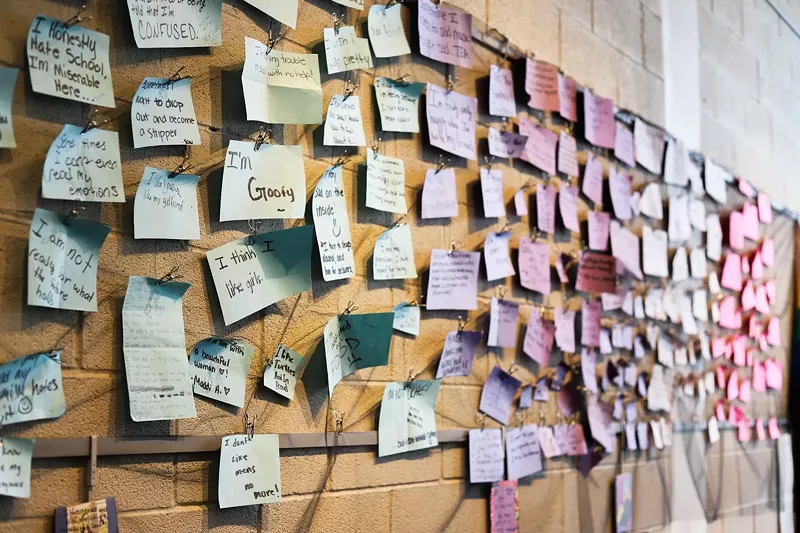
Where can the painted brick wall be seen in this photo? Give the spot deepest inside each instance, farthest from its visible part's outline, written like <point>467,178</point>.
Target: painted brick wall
<point>612,45</point>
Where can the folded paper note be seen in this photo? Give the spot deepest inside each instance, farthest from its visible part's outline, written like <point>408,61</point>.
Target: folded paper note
<point>408,419</point>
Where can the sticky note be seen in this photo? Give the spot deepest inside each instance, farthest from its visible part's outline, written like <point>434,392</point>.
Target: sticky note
<point>598,223</point>
<point>568,96</point>
<point>496,255</point>
<point>764,208</point>
<point>523,453</point>
<point>344,51</point>
<point>220,368</point>
<point>356,4</point>
<point>69,62</point>
<point>458,353</point>
<point>83,166</point>
<point>654,252</point>
<point>770,290</point>
<point>768,251</point>
<point>281,87</point>
<point>697,260</point>
<point>534,265</point>
<point>284,11</point>
<point>680,265</point>
<point>649,141</point>
<point>492,192</point>
<point>498,394</point>
<point>406,318</point>
<point>598,115</point>
<point>623,144</point>
<point>713,431</point>
<point>736,230</point>
<point>599,415</point>
<point>501,92</point>
<point>541,85</point>
<point>8,79</point>
<point>256,271</point>
<point>568,206</point>
<point>31,389</point>
<point>332,226</point>
<point>386,33</point>
<point>750,228</point>
<point>386,183</point>
<point>713,237</point>
<point>540,148</point>
<point>249,470</point>
<point>453,280</point>
<point>539,336</point>
<point>343,123</point>
<point>700,305</point>
<point>162,113</point>
<point>282,371</point>
<point>166,206</point>
<point>15,467</point>
<point>567,154</point>
<point>565,329</point>
<point>597,273</point>
<point>593,180</point>
<point>728,316</point>
<point>546,208</point>
<point>506,144</point>
<point>716,178</point>
<point>774,430</point>
<point>179,25</point>
<point>353,342</point>
<point>439,198</point>
<point>561,261</point>
<point>504,507</point>
<point>619,184</point>
<point>651,203</point>
<point>590,323</point>
<point>486,463</point>
<point>503,323</point>
<point>636,200</point>
<point>679,229</point>
<point>393,257</point>
<point>398,104</point>
<point>94,516</point>
<point>63,260</point>
<point>748,297</point>
<point>588,370</point>
<point>732,272</point>
<point>451,120</point>
<point>757,268</point>
<point>154,347</point>
<point>526,397</point>
<point>623,503</point>
<point>774,332</point>
<point>445,34</point>
<point>676,163</point>
<point>408,418</point>
<point>697,214</point>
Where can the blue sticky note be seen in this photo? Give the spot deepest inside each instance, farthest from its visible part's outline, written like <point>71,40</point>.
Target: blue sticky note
<point>31,389</point>
<point>353,342</point>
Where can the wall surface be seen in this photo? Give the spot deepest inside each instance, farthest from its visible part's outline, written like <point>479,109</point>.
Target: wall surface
<point>614,46</point>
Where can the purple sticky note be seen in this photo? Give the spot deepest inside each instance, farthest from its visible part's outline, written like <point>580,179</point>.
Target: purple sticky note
<point>494,204</point>
<point>503,323</point>
<point>619,183</point>
<point>623,144</point>
<point>590,323</point>
<point>568,96</point>
<point>521,203</point>
<point>501,92</point>
<point>458,353</point>
<point>598,113</point>
<point>565,329</point>
<point>451,121</point>
<point>539,338</point>
<point>540,149</point>
<point>506,144</point>
<point>569,398</point>
<point>546,208</point>
<point>567,154</point>
<point>498,394</point>
<point>439,199</point>
<point>593,180</point>
<point>486,463</point>
<point>526,397</point>
<point>598,230</point>
<point>541,393</point>
<point>534,265</point>
<point>453,280</point>
<point>445,34</point>
<point>568,205</point>
<point>523,453</point>
<point>504,507</point>
<point>496,256</point>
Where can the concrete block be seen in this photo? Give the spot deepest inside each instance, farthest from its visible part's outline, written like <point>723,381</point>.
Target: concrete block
<point>30,525</point>
<point>193,518</point>
<point>581,10</point>
<point>620,23</point>
<point>719,143</point>
<point>653,46</point>
<point>731,12</point>
<point>542,503</point>
<point>354,511</point>
<point>589,59</point>
<point>137,482</point>
<point>443,507</point>
<point>533,25</point>
<point>455,460</point>
<point>361,467</point>
<point>641,91</point>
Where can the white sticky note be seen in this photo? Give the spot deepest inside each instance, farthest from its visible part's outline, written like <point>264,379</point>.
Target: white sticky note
<point>697,259</point>
<point>439,196</point>
<point>386,183</point>
<point>345,51</point>
<point>700,305</point>
<point>716,178</point>
<point>281,87</point>
<point>407,420</point>
<point>680,229</point>
<point>676,163</point>
<point>492,192</point>
<point>284,11</point>
<point>501,92</point>
<point>343,123</point>
<point>154,347</point>
<point>654,252</point>
<point>496,255</point>
<point>63,260</point>
<point>220,368</point>
<point>680,265</point>
<point>713,237</point>
<point>697,214</point>
<point>83,166</point>
<point>162,113</point>
<point>8,78</point>
<point>657,394</point>
<point>687,317</point>
<point>268,183</point>
<point>183,24</point>
<point>249,470</point>
<point>15,467</point>
<point>452,121</point>
<point>713,430</point>
<point>69,62</point>
<point>393,257</point>
<point>386,33</point>
<point>649,143</point>
<point>398,104</point>
<point>31,388</point>
<point>406,318</point>
<point>283,370</point>
<point>332,226</point>
<point>166,206</point>
<point>651,203</point>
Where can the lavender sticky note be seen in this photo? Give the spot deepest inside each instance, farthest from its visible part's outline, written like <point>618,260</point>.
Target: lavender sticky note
<point>619,184</point>
<point>539,338</point>
<point>568,205</point>
<point>445,34</point>
<point>501,92</point>
<point>492,193</point>
<point>453,280</point>
<point>498,394</point>
<point>452,120</point>
<point>506,144</point>
<point>568,96</point>
<point>496,256</point>
<point>439,198</point>
<point>593,180</point>
<point>523,452</point>
<point>565,329</point>
<point>546,208</point>
<point>503,323</point>
<point>534,265</point>
<point>598,114</point>
<point>540,149</point>
<point>567,154</point>
<point>458,353</point>
<point>486,463</point>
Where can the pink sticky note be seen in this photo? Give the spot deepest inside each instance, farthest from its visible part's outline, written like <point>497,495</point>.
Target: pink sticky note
<point>597,273</point>
<point>598,230</point>
<point>739,345</point>
<point>750,358</point>
<point>444,34</point>
<point>770,288</point>
<point>593,180</point>
<point>761,302</point>
<point>506,144</point>
<point>745,188</point>
<point>748,296</point>
<point>774,374</point>
<point>744,431</point>
<point>439,199</point>
<point>774,332</point>
<point>732,273</point>
<point>541,84</point>
<point>720,411</point>
<point>768,251</point>
<point>534,265</point>
<point>761,434</point>
<point>561,261</point>
<point>754,327</point>
<point>721,376</point>
<point>619,185</point>
<point>744,391</point>
<point>774,430</point>
<point>452,119</point>
<point>764,208</point>
<point>745,265</point>
<point>546,208</point>
<point>718,348</point>
<point>759,377</point>
<point>757,267</point>
<point>567,154</point>
<point>565,329</point>
<point>727,314</point>
<point>736,230</point>
<point>623,144</point>
<point>568,205</point>
<point>521,203</point>
<point>590,323</point>
<point>762,343</point>
<point>539,336</point>
<point>568,96</point>
<point>540,149</point>
<point>750,218</point>
<point>735,414</point>
<point>598,115</point>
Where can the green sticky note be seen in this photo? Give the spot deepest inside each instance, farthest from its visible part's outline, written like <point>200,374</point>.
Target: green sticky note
<point>353,342</point>
<point>281,372</point>
<point>408,417</point>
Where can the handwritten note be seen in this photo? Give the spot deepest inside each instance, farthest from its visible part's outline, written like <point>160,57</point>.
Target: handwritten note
<point>654,252</point>
<point>15,467</point>
<point>567,154</point>
<point>284,11</point>
<point>398,103</point>
<point>249,470</point>
<point>593,180</point>
<point>343,124</point>
<point>506,144</point>
<point>504,507</point>
<point>713,237</point>
<point>568,96</point>
<point>498,394</point>
<point>623,501</point>
<point>451,117</point>
<point>385,26</point>
<point>62,261</point>
<point>649,142</point>
<point>406,318</point>
<point>546,208</point>
<point>256,271</point>
<point>177,24</point>
<point>386,183</point>
<point>282,371</point>
<point>393,257</point>
<point>492,193</point>
<point>534,265</point>
<point>353,342</point>
<point>458,354</point>
<point>542,85</point>
<point>716,178</point>
<point>523,453</point>
<point>625,247</point>
<point>220,369</point>
<point>344,51</point>
<point>69,62</point>
<point>486,463</point>
<point>521,203</point>
<point>162,113</point>
<point>453,280</point>
<point>99,516</point>
<point>496,255</point>
<point>597,273</point>
<point>623,144</point>
<point>332,226</point>
<point>590,323</point>
<point>439,198</point>
<point>154,347</point>
<point>619,185</point>
<point>501,92</point>
<point>568,205</point>
<point>166,206</point>
<point>676,164</point>
<point>31,389</point>
<point>540,148</point>
<point>408,419</point>
<point>83,166</point>
<point>598,230</point>
<point>651,203</point>
<point>598,115</point>
<point>8,78</point>
<point>503,323</point>
<point>445,34</point>
<point>539,337</point>
<point>281,87</point>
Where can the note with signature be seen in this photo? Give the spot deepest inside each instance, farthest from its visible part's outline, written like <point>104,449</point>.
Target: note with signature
<point>407,420</point>
<point>220,367</point>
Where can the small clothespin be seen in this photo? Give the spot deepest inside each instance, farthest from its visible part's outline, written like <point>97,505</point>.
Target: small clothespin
<point>442,163</point>
<point>76,18</point>
<point>374,144</point>
<point>389,4</point>
<point>250,425</point>
<point>505,228</point>
<point>451,82</point>
<point>350,88</point>
<point>72,215</point>
<point>397,223</point>
<point>417,302</point>
<point>263,136</point>
<point>488,161</point>
<point>338,422</point>
<point>177,76</point>
<point>183,167</point>
<point>272,42</point>
<point>480,418</point>
<point>351,306</point>
<point>453,246</point>
<point>535,234</point>
<point>411,377</point>
<point>512,368</point>
<point>461,324</point>
<point>506,124</point>
<point>402,80</point>
<point>91,123</point>
<point>521,416</point>
<point>541,417</point>
<point>253,225</point>
<point>169,276</point>
<point>344,158</point>
<point>337,22</point>
<point>502,291</point>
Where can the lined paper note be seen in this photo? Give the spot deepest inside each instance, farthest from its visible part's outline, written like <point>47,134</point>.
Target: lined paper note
<point>162,113</point>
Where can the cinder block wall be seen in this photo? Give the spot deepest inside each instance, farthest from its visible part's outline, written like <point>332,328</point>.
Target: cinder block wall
<point>612,45</point>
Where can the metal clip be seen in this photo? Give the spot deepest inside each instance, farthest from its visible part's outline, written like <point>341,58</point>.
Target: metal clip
<point>272,42</point>
<point>343,159</point>
<point>461,324</point>
<point>91,123</point>
<point>513,368</point>
<point>506,228</point>
<point>442,163</point>
<point>451,82</point>
<point>521,416</point>
<point>264,136</point>
<point>417,302</point>
<point>502,292</point>
<point>169,276</point>
<point>76,18</point>
<point>177,76</point>
<point>183,167</point>
<point>411,376</point>
<point>73,215</point>
<point>453,246</point>
<point>402,80</point>
<point>480,418</point>
<point>350,89</point>
<point>337,22</point>
<point>488,162</point>
<point>374,145</point>
<point>338,422</point>
<point>351,306</point>
<point>250,425</point>
<point>253,225</point>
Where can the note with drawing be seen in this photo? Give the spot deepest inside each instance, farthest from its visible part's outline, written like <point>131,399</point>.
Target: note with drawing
<point>332,226</point>
<point>31,388</point>
<point>353,342</point>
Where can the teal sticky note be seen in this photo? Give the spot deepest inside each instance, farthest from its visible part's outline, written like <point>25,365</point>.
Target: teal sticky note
<point>31,389</point>
<point>249,470</point>
<point>406,318</point>
<point>253,272</point>
<point>281,372</point>
<point>353,342</point>
<point>408,417</point>
<point>15,467</point>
